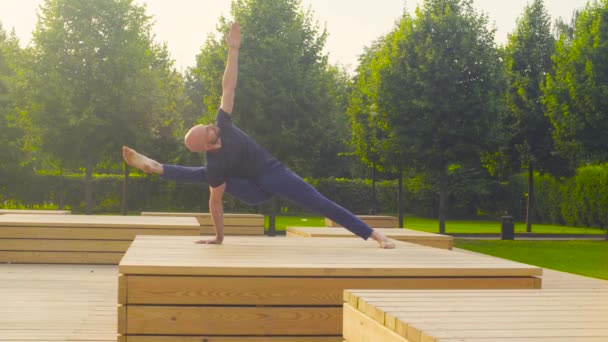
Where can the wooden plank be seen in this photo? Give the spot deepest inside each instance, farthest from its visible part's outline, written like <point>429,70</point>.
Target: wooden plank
<point>233,339</point>
<point>204,219</point>
<point>407,235</point>
<point>122,319</point>
<point>375,221</point>
<point>64,245</point>
<point>122,288</point>
<point>188,320</point>
<point>82,233</point>
<point>34,212</point>
<point>99,221</point>
<point>102,258</point>
<point>234,230</point>
<point>264,256</point>
<point>285,291</point>
<point>360,328</point>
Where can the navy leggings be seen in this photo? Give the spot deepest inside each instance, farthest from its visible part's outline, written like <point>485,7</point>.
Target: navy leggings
<point>280,181</point>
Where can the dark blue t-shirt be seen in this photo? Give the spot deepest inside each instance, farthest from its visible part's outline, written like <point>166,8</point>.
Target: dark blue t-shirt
<point>239,157</point>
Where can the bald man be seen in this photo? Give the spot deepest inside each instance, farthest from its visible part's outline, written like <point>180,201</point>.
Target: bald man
<point>238,165</point>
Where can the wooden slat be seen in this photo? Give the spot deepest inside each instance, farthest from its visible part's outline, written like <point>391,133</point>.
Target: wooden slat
<point>64,245</point>
<point>234,230</point>
<point>285,291</point>
<point>361,328</point>
<point>375,221</point>
<point>187,320</point>
<point>407,235</point>
<point>34,212</point>
<point>233,339</point>
<point>82,233</point>
<point>97,221</point>
<point>261,256</point>
<point>103,258</point>
<point>230,219</point>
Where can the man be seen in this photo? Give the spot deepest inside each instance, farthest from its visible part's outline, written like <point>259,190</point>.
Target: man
<point>238,165</point>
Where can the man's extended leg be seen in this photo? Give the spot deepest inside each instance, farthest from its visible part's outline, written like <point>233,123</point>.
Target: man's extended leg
<point>243,189</point>
<point>285,183</point>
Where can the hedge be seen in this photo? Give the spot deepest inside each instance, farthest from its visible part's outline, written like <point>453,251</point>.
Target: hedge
<point>578,201</point>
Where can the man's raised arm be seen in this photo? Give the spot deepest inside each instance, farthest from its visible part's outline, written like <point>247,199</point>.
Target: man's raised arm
<point>233,39</point>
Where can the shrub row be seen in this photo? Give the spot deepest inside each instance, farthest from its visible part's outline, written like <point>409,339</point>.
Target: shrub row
<point>578,201</point>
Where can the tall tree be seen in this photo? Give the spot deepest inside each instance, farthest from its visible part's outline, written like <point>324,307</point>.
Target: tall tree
<point>576,95</point>
<point>441,89</point>
<point>285,95</point>
<point>528,61</point>
<point>372,138</point>
<point>96,79</point>
<point>13,63</point>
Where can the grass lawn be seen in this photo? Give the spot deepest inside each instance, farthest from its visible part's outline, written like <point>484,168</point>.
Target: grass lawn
<point>588,258</point>
<point>460,226</point>
<point>452,226</point>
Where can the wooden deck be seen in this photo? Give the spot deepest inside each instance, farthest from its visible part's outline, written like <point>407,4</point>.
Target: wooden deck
<point>474,315</point>
<point>374,221</point>
<point>276,287</point>
<point>568,308</point>
<point>234,224</point>
<point>47,303</point>
<point>34,212</point>
<point>84,239</point>
<point>407,235</point>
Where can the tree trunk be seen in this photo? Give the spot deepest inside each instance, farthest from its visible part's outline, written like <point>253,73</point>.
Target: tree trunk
<point>61,190</point>
<point>88,187</point>
<point>443,189</point>
<point>372,210</point>
<point>399,198</point>
<point>530,203</point>
<point>272,217</point>
<point>125,208</point>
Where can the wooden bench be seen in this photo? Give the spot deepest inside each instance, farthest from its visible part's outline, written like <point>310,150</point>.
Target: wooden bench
<point>234,224</point>
<point>407,235</point>
<point>80,239</point>
<point>34,212</point>
<point>374,221</point>
<point>470,315</point>
<point>277,288</point>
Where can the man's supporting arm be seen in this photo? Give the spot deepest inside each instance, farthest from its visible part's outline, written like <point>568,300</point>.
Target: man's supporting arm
<point>233,39</point>
<point>216,207</point>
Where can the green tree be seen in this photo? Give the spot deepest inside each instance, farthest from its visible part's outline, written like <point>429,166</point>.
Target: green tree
<point>576,94</point>
<point>287,96</point>
<point>441,89</point>
<point>372,138</point>
<point>13,97</point>
<point>97,81</point>
<point>528,61</point>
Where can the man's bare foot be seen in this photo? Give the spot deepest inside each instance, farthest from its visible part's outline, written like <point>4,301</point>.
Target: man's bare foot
<point>383,241</point>
<point>215,241</point>
<point>141,162</point>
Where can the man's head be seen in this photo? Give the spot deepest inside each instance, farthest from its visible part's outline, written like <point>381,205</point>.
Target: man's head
<point>203,138</point>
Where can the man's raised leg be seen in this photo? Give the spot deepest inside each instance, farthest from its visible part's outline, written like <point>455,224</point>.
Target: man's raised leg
<point>141,162</point>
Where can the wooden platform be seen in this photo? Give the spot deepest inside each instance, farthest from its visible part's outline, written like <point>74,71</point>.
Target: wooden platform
<point>273,287</point>
<point>34,212</point>
<point>80,239</point>
<point>473,315</point>
<point>407,235</point>
<point>234,224</point>
<point>374,221</point>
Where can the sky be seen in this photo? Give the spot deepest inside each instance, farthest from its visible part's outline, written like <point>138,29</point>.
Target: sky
<point>351,24</point>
